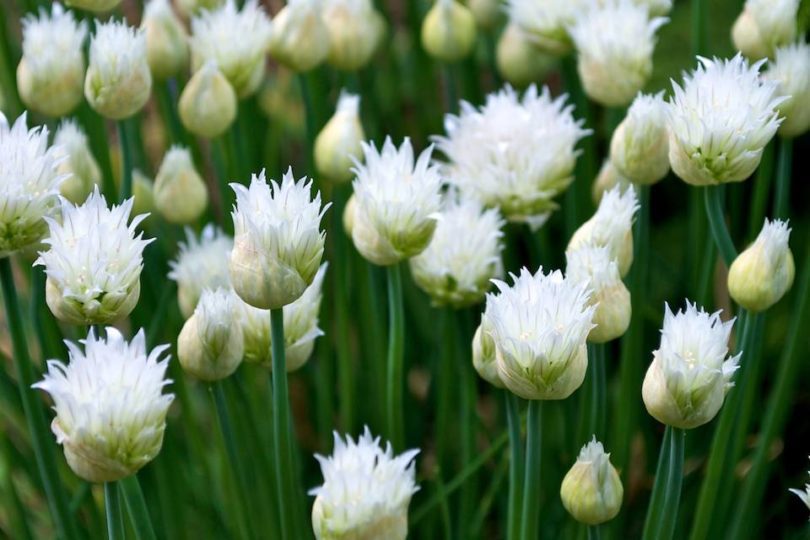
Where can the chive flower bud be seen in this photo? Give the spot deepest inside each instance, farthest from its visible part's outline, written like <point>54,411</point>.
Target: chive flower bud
<point>448,31</point>
<point>592,491</point>
<point>520,61</point>
<point>355,29</point>
<point>340,141</point>
<point>300,37</point>
<point>764,26</point>
<point>181,195</point>
<point>79,166</point>
<point>639,148</point>
<point>208,103</point>
<point>792,71</point>
<point>166,39</point>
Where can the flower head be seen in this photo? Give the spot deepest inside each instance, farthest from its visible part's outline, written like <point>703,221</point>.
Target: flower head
<point>118,81</point>
<point>110,406</point>
<point>201,264</point>
<point>278,243</point>
<point>513,153</point>
<point>366,490</point>
<point>340,141</point>
<point>614,41</point>
<point>396,202</point>
<point>720,120</point>
<point>690,373</point>
<point>355,30</point>
<point>166,39</point>
<point>592,490</point>
<point>300,37</point>
<point>464,255</point>
<point>546,23</point>
<point>448,31</point>
<point>792,71</point>
<point>50,74</point>
<point>639,148</point>
<point>180,192</point>
<point>29,184</point>
<point>764,26</point>
<point>79,166</point>
<point>539,326</point>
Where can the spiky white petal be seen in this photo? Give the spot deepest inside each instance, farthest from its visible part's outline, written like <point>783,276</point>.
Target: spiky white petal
<point>804,494</point>
<point>791,70</point>
<point>201,264</point>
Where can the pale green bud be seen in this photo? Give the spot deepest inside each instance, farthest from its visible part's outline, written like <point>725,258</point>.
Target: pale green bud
<point>519,60</point>
<point>340,140</point>
<point>208,103</point>
<point>300,38</point>
<point>764,26</point>
<point>80,166</point>
<point>639,148</point>
<point>483,356</point>
<point>166,40</point>
<point>791,70</point>
<point>143,191</point>
<point>607,179</point>
<point>180,192</point>
<point>761,275</point>
<point>448,31</point>
<point>354,32</point>
<point>592,491</point>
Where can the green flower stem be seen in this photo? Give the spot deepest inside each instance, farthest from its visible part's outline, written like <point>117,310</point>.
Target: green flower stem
<point>516,466</point>
<point>594,401</point>
<point>168,111</point>
<point>466,414</point>
<point>341,271</point>
<point>669,515</point>
<point>656,507</point>
<point>531,482</point>
<point>136,508</point>
<point>699,11</point>
<point>283,435</point>
<point>126,161</point>
<point>17,519</point>
<point>446,382</point>
<point>309,112</point>
<point>713,197</point>
<point>112,506</point>
<point>396,368</point>
<point>783,171</point>
<point>762,189</point>
<point>41,440</point>
<point>594,533</point>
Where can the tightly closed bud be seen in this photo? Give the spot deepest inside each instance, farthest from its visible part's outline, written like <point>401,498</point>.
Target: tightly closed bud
<point>278,243</point>
<point>340,141</point>
<point>94,262</point>
<point>546,23</point>
<point>118,80</point>
<point>180,192</point>
<point>612,227</point>
<point>166,40</point>
<point>109,403</point>
<point>80,167</point>
<point>50,76</point>
<point>639,148</point>
<point>486,13</point>
<point>514,153</point>
<point>690,374</point>
<point>300,38</point>
<point>143,191</point>
<point>539,326</point>
<point>208,103</point>
<point>448,31</point>
<point>607,179</point>
<point>792,71</point>
<point>761,275</point>
<point>720,121</point>
<point>615,42</point>
<point>764,26</point>
<point>201,264</point>
<point>300,328</point>
<point>210,345</point>
<point>396,202</point>
<point>365,493</point>
<point>484,356</point>
<point>519,61</point>
<point>463,256</point>
<point>353,32</point>
<point>30,177</point>
<point>236,40</point>
<point>97,6</point>
<point>592,490</point>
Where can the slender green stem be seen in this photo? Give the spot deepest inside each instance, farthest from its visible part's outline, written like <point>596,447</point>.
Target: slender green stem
<point>396,368</point>
<point>598,392</point>
<point>112,506</point>
<point>669,517</point>
<point>516,466</point>
<point>783,172</point>
<point>699,8</point>
<point>656,507</point>
<point>126,161</point>
<point>594,532</point>
<point>446,382</point>
<point>762,189</point>
<point>531,483</point>
<point>450,87</point>
<point>466,414</point>
<point>342,269</point>
<point>41,440</point>
<point>713,197</point>
<point>309,111</point>
<point>136,507</point>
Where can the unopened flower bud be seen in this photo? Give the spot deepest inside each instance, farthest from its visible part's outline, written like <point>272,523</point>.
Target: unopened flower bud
<point>208,103</point>
<point>761,275</point>
<point>166,40</point>
<point>80,166</point>
<point>607,179</point>
<point>519,61</point>
<point>143,191</point>
<point>300,38</point>
<point>448,31</point>
<point>792,71</point>
<point>211,346</point>
<point>340,140</point>
<point>639,148</point>
<point>180,192</point>
<point>764,26</point>
<point>484,356</point>
<point>592,491</point>
<point>353,32</point>
<point>50,75</point>
<point>118,80</point>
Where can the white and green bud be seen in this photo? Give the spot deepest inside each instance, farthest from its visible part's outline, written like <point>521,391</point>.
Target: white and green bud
<point>79,166</point>
<point>448,31</point>
<point>354,28</point>
<point>201,264</point>
<point>764,26</point>
<point>592,491</point>
<point>208,103</point>
<point>181,195</point>
<point>340,141</point>
<point>639,148</point>
<point>791,70</point>
<point>519,60</point>
<point>300,38</point>
<point>166,40</point>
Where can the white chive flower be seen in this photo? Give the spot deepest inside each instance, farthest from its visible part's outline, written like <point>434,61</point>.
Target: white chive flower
<point>300,327</point>
<point>340,141</point>
<point>118,81</point>
<point>50,75</point>
<point>791,70</point>
<point>592,491</point>
<point>366,490</point>
<point>278,243</point>
<point>593,265</point>
<point>764,26</point>
<point>166,39</point>
<point>181,195</point>
<point>29,184</point>
<point>201,264</point>
<point>300,37</point>
<point>762,274</point>
<point>639,148</point>
<point>611,226</point>
<point>211,344</point>
<point>109,403</point>
<point>691,371</point>
<point>79,165</point>
<point>463,256</point>
<point>540,325</point>
<point>514,153</point>
<point>803,494</point>
<point>720,120</point>
<point>94,262</point>
<point>355,29</point>
<point>614,41</point>
<point>236,39</point>
<point>546,23</point>
<point>397,202</point>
